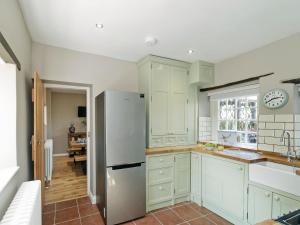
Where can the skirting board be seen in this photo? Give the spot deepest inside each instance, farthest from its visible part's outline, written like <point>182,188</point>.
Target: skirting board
<point>61,154</point>
<point>92,198</point>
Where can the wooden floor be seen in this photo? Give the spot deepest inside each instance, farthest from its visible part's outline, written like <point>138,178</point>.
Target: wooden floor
<point>68,181</point>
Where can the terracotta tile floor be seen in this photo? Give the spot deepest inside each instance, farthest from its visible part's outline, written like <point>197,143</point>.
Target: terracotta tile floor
<point>82,212</point>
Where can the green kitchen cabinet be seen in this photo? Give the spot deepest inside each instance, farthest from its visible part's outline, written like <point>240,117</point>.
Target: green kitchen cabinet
<point>283,205</point>
<point>182,176</point>
<point>259,204</point>
<point>196,171</point>
<point>165,84</point>
<point>202,73</point>
<point>225,187</point>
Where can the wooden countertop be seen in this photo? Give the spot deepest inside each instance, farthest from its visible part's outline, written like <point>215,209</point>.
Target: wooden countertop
<point>268,222</point>
<point>263,156</point>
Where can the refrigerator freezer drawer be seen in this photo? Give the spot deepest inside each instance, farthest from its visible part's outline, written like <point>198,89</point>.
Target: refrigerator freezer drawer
<point>126,193</point>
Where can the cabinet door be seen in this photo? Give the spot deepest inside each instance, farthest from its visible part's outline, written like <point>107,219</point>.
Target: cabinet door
<point>178,101</point>
<point>196,178</point>
<point>223,186</point>
<point>159,99</point>
<point>283,205</point>
<point>259,205</point>
<point>182,174</point>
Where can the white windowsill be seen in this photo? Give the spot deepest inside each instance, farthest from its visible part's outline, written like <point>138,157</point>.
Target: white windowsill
<point>6,175</point>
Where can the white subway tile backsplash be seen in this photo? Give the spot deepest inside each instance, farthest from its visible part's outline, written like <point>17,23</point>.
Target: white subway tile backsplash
<point>297,126</point>
<point>265,147</point>
<point>273,141</point>
<point>297,118</point>
<point>269,133</point>
<point>297,142</point>
<point>284,118</point>
<point>261,140</point>
<point>275,126</point>
<point>261,125</point>
<point>280,149</point>
<point>266,118</point>
<point>297,134</point>
<point>289,126</point>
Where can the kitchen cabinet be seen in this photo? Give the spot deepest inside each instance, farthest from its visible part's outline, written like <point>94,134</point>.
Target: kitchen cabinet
<point>283,205</point>
<point>164,83</point>
<point>266,203</point>
<point>167,180</point>
<point>259,204</point>
<point>225,187</point>
<point>202,73</point>
<point>182,177</point>
<point>196,171</point>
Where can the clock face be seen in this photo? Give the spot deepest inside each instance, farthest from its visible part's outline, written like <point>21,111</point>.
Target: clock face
<point>275,98</point>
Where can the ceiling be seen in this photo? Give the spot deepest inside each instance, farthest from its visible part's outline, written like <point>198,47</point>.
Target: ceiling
<point>214,29</point>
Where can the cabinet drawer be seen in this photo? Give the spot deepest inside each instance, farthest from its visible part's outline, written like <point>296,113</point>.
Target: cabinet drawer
<point>160,192</point>
<point>160,175</point>
<point>160,161</point>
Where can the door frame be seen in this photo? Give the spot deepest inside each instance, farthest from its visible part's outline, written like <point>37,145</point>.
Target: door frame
<point>87,89</point>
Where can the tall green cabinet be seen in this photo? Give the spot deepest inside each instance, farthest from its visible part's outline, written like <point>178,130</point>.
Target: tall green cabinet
<point>165,83</point>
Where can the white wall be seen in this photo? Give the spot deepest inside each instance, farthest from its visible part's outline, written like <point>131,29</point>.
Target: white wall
<point>101,72</point>
<point>280,57</point>
<point>64,108</point>
<point>13,28</point>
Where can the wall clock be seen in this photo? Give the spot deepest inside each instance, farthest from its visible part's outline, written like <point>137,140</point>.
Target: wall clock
<point>275,98</point>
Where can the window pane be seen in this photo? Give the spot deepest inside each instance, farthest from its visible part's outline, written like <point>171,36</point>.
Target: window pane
<point>231,103</point>
<point>230,114</point>
<point>241,125</point>
<point>222,125</point>
<point>241,138</point>
<point>242,102</point>
<point>241,114</point>
<point>251,138</point>
<point>252,126</point>
<point>231,125</point>
<point>252,104</point>
<point>222,110</point>
<point>253,114</point>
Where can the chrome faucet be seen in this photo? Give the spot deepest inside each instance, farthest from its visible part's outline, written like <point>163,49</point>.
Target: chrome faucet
<point>289,151</point>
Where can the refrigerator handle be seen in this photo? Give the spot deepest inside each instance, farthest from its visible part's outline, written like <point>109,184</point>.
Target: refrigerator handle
<point>126,166</point>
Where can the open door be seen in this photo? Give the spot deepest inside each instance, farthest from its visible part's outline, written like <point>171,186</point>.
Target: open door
<point>38,131</point>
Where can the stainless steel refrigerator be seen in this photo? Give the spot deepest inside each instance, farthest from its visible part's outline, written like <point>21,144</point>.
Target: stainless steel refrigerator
<point>120,156</point>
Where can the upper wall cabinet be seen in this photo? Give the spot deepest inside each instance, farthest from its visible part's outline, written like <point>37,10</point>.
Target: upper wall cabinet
<point>165,83</point>
<point>202,73</point>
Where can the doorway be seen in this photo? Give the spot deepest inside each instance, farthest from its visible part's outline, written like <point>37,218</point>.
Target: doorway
<point>67,142</point>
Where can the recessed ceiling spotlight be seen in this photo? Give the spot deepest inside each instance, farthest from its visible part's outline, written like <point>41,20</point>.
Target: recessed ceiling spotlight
<point>150,41</point>
<point>190,51</point>
<point>100,25</point>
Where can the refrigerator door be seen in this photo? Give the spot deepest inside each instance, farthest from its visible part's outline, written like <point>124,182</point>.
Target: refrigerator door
<point>125,122</point>
<point>126,193</point>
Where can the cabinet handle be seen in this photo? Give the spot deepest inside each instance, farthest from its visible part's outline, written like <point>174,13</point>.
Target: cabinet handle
<point>161,160</point>
<point>161,172</point>
<point>267,194</point>
<point>276,198</point>
<point>161,188</point>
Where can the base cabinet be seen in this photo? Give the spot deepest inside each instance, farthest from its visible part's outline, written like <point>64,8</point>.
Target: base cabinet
<point>196,172</point>
<point>168,180</point>
<point>259,204</point>
<point>224,188</point>
<point>283,205</point>
<point>264,204</point>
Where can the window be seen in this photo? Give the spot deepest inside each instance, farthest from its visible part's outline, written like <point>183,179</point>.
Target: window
<point>239,115</point>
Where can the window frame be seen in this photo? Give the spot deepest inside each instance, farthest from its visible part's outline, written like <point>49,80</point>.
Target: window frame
<point>236,120</point>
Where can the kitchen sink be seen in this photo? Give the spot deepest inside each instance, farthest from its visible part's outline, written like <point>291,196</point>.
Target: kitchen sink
<point>278,176</point>
<point>241,154</point>
<point>290,219</point>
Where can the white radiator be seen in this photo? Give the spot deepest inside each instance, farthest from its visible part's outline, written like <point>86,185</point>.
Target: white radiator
<point>25,209</point>
<point>48,159</point>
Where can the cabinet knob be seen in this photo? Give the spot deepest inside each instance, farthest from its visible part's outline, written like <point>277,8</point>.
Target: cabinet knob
<point>161,160</point>
<point>267,194</point>
<point>276,198</point>
<point>241,169</point>
<point>161,172</point>
<point>160,188</point>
